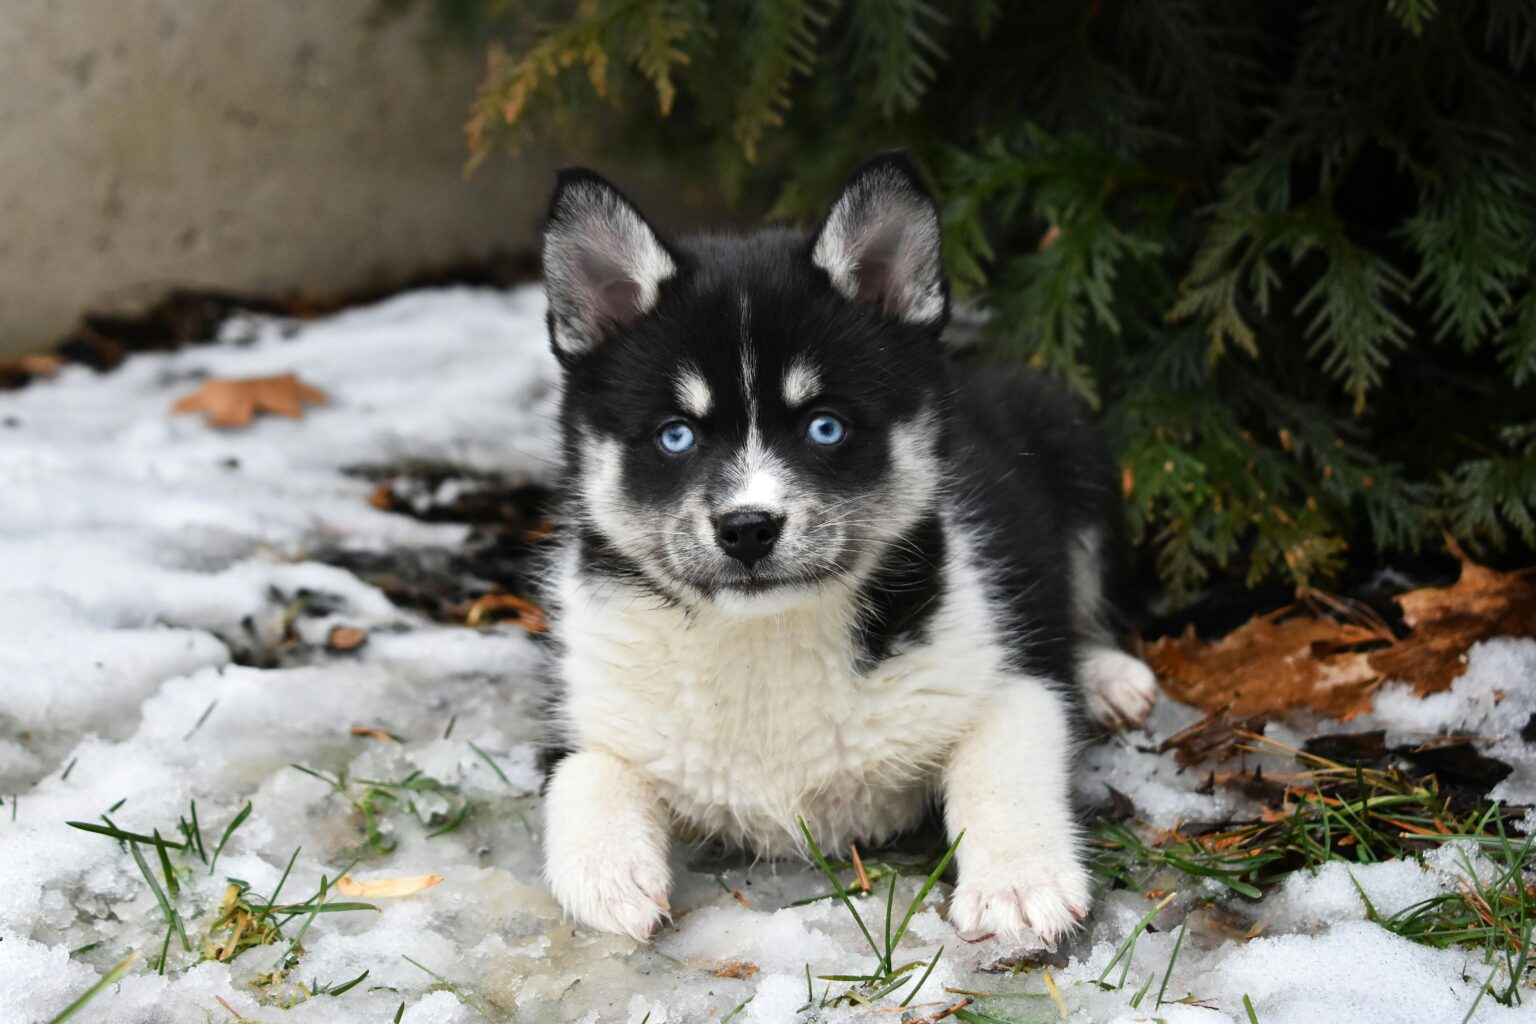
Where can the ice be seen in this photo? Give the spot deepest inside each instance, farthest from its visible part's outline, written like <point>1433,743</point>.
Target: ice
<point>148,569</point>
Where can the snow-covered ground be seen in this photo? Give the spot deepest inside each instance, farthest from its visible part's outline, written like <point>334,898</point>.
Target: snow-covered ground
<point>141,552</point>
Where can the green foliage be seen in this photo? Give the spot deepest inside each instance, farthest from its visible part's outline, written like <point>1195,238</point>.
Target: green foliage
<point>1289,249</point>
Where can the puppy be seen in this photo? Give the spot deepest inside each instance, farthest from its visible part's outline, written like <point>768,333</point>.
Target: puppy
<point>812,572</point>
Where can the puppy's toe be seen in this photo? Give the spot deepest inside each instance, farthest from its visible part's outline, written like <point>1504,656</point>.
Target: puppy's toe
<point>620,891</point>
<point>1118,689</point>
<point>1011,901</point>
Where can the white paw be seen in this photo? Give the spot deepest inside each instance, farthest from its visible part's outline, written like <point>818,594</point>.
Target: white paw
<point>613,887</point>
<point>1010,897</point>
<point>605,845</point>
<point>1118,689</point>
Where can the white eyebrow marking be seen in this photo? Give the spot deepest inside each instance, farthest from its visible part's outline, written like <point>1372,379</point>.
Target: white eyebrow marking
<point>802,382</point>
<point>693,394</point>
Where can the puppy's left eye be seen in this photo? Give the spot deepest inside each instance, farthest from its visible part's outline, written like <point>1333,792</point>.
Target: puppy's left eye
<point>825,429</point>
<point>676,437</point>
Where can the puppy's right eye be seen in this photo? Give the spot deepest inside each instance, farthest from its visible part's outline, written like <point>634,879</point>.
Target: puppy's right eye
<point>675,437</point>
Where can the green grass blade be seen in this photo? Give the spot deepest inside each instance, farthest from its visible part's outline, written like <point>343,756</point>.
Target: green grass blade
<point>1178,944</point>
<point>826,869</point>
<point>338,990</point>
<point>110,978</point>
<point>1129,945</point>
<point>494,766</point>
<point>171,883</point>
<point>922,894</point>
<point>924,979</point>
<point>172,919</point>
<point>121,835</point>
<point>245,812</point>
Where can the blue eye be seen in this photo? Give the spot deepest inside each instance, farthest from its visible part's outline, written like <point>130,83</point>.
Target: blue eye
<point>825,429</point>
<point>676,437</point>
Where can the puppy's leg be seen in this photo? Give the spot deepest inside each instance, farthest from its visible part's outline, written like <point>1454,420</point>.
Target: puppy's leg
<point>1118,690</point>
<point>605,845</point>
<point>1006,787</point>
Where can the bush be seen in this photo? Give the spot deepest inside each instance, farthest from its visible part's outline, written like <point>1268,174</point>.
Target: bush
<point>1287,248</point>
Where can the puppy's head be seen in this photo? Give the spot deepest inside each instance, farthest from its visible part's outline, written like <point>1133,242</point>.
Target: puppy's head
<point>749,421</point>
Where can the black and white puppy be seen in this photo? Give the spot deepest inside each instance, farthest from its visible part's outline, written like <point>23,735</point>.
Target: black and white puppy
<point>810,572</point>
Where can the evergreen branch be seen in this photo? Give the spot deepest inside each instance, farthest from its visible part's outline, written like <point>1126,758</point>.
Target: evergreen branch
<point>779,42</point>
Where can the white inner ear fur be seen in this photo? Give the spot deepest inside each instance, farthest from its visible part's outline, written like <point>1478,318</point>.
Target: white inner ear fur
<point>881,245</point>
<point>602,265</point>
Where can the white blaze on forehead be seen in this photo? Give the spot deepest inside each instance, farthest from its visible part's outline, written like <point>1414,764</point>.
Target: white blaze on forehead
<point>802,382</point>
<point>748,364</point>
<point>693,394</point>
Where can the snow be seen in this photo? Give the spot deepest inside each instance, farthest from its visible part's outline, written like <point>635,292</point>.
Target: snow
<point>147,560</point>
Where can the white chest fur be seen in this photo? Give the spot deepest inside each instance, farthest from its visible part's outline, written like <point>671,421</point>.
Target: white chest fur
<point>743,724</point>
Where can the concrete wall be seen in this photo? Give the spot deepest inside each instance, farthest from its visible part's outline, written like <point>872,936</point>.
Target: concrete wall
<point>249,144</point>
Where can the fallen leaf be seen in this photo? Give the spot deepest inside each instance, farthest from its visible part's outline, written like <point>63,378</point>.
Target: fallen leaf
<point>383,888</point>
<point>346,638</point>
<point>1445,621</point>
<point>235,403</point>
<point>735,969</point>
<point>1217,735</point>
<point>1272,664</point>
<point>502,607</point>
<point>369,732</point>
<point>18,370</point>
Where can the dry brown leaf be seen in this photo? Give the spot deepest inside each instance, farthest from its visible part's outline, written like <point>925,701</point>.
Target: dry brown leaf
<point>1288,660</point>
<point>235,403</point>
<point>346,638</point>
<point>1217,735</point>
<point>18,370</point>
<point>383,888</point>
<point>735,969</point>
<point>369,732</point>
<point>1271,664</point>
<point>1446,621</point>
<point>502,608</point>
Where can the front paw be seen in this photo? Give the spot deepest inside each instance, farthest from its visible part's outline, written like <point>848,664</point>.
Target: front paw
<point>1006,897</point>
<point>613,888</point>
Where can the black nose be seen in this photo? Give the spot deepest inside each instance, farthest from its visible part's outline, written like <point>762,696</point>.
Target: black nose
<point>747,536</point>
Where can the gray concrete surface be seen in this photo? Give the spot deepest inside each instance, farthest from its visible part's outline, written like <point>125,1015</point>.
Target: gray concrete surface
<point>248,144</point>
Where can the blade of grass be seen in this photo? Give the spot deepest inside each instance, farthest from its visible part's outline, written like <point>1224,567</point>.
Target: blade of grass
<point>1178,944</point>
<point>172,919</point>
<point>1141,993</point>
<point>239,819</point>
<point>739,1007</point>
<point>339,989</point>
<point>924,979</point>
<point>1482,991</point>
<point>451,987</point>
<point>200,720</point>
<point>922,894</point>
<point>95,990</point>
<point>1253,1018</point>
<point>884,958</point>
<point>121,835</point>
<point>494,766</point>
<point>1128,947</point>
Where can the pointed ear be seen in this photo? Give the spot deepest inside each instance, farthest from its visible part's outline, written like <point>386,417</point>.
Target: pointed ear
<point>880,244</point>
<point>603,264</point>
